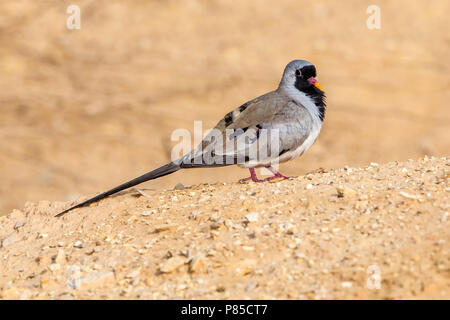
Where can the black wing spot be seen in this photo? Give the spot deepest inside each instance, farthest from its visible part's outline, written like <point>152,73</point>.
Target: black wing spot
<point>237,132</point>
<point>258,133</point>
<point>243,107</point>
<point>228,119</point>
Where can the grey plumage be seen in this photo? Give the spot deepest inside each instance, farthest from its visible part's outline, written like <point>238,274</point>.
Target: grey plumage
<point>272,128</point>
<point>272,111</point>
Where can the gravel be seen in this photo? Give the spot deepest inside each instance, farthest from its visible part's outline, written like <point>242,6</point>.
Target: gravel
<point>377,232</point>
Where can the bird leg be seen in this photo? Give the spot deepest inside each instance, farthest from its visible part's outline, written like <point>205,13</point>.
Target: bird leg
<point>276,174</point>
<point>252,177</point>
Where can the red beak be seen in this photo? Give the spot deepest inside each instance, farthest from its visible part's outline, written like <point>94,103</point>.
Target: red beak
<point>314,82</point>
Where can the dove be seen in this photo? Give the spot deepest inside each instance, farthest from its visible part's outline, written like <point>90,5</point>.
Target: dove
<point>270,129</point>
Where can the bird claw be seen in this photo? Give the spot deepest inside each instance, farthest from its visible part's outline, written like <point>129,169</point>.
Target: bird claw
<point>250,179</point>
<point>275,179</point>
<point>278,177</point>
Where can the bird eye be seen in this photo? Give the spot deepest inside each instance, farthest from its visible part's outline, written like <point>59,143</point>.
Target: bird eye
<point>297,73</point>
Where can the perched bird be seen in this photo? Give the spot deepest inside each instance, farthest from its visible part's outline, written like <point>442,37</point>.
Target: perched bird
<point>273,128</point>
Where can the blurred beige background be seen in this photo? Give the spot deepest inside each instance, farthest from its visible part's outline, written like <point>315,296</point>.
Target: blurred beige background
<point>84,110</point>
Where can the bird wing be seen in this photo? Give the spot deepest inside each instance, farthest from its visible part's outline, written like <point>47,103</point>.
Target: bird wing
<point>257,132</point>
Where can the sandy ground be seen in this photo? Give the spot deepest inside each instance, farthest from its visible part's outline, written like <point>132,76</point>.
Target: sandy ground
<point>84,110</point>
<point>381,231</point>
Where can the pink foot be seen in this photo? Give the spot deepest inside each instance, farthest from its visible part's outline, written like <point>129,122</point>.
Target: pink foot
<point>276,175</point>
<point>252,177</point>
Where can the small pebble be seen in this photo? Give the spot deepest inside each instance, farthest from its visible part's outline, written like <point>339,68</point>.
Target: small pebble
<point>165,227</point>
<point>9,240</point>
<point>345,192</point>
<point>252,216</point>
<point>147,213</point>
<point>18,225</point>
<point>172,264</point>
<point>78,244</point>
<point>179,186</point>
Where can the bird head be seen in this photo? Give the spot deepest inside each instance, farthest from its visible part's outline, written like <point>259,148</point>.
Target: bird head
<point>301,74</point>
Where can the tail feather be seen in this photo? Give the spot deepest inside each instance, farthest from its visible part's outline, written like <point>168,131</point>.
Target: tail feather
<point>162,171</point>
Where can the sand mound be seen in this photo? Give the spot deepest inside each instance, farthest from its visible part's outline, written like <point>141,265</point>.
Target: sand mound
<point>380,231</point>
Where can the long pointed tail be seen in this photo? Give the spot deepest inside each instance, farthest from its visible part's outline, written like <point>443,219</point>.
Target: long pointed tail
<point>162,171</point>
